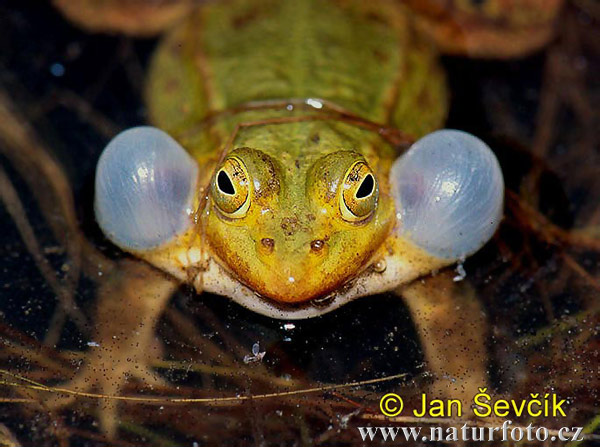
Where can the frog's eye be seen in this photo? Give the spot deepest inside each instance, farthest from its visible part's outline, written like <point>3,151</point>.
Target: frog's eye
<point>145,185</point>
<point>230,189</point>
<point>448,190</point>
<point>359,193</point>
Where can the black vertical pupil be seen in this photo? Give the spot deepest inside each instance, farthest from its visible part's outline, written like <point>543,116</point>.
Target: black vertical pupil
<point>366,187</point>
<point>224,183</point>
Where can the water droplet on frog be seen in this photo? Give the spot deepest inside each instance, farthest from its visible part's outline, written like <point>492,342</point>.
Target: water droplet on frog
<point>380,266</point>
<point>314,103</point>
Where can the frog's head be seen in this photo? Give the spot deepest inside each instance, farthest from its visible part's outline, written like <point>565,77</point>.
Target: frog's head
<point>294,233</point>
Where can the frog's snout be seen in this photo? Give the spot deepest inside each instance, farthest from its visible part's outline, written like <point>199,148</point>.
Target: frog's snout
<point>290,269</point>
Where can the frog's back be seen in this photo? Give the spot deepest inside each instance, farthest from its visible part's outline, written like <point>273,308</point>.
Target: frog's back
<point>359,55</point>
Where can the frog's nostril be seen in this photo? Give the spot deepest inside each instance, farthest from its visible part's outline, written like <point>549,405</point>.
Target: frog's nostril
<point>317,245</point>
<point>268,244</point>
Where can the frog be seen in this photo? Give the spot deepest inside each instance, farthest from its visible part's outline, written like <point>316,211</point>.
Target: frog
<point>294,164</point>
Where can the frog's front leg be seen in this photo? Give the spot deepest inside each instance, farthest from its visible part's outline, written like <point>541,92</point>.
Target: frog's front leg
<point>452,327</point>
<point>130,302</point>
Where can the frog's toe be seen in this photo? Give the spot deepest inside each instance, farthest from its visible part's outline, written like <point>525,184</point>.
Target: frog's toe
<point>58,401</point>
<point>104,383</point>
<point>109,384</point>
<point>124,345</point>
<point>146,375</point>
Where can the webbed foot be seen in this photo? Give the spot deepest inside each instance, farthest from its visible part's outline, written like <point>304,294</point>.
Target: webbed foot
<point>123,345</point>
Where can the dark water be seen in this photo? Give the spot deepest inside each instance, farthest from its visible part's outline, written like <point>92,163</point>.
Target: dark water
<point>540,292</point>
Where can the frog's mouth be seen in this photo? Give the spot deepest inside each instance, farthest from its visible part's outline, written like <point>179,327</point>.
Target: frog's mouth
<point>380,275</point>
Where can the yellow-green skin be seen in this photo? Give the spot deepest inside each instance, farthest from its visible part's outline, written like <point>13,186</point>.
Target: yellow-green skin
<point>361,56</point>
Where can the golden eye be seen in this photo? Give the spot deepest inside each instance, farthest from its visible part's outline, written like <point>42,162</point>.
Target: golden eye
<point>230,188</point>
<point>359,193</point>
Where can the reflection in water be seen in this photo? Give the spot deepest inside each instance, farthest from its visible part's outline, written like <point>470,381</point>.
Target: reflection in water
<point>64,93</point>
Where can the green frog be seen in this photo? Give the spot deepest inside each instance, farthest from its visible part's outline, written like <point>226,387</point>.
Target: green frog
<point>295,166</point>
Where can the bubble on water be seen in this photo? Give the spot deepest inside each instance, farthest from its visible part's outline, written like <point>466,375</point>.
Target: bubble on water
<point>57,69</point>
